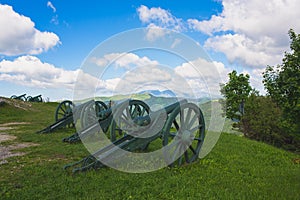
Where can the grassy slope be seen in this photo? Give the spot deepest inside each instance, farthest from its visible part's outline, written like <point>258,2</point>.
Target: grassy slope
<point>236,168</point>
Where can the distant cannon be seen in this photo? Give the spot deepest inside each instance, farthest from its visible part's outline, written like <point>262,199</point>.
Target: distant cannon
<point>37,98</point>
<point>21,97</point>
<point>180,126</point>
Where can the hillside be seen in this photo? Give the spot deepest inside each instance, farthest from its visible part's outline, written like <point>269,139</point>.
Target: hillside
<point>237,168</point>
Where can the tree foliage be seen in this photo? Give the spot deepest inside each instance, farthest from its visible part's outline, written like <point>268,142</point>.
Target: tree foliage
<point>235,93</point>
<point>282,83</point>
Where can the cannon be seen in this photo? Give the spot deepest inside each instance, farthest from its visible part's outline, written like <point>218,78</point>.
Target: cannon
<point>21,97</point>
<point>180,126</point>
<point>37,98</point>
<point>63,117</point>
<point>98,112</point>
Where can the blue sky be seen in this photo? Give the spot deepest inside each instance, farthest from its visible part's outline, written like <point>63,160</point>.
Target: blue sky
<point>44,43</point>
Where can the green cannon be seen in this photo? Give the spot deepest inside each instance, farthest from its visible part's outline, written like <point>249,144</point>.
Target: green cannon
<point>63,117</point>
<point>21,97</point>
<point>98,112</point>
<point>37,98</point>
<point>180,126</point>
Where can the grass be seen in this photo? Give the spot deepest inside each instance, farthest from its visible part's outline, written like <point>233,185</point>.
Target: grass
<point>237,168</point>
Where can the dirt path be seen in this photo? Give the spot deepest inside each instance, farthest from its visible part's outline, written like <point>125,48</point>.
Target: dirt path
<point>7,151</point>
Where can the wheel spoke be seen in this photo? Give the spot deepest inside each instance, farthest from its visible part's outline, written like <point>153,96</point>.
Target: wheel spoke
<point>135,111</point>
<point>186,156</point>
<point>196,128</point>
<point>192,149</point>
<point>180,160</point>
<point>130,109</point>
<point>182,125</point>
<point>193,120</point>
<point>188,115</point>
<point>172,135</point>
<point>177,150</point>
<point>143,111</point>
<point>176,124</point>
<point>124,116</point>
<point>198,139</point>
<point>127,113</point>
<point>62,109</point>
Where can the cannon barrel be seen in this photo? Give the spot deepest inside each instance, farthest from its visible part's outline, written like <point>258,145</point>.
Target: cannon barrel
<point>37,98</point>
<point>146,120</point>
<point>21,97</point>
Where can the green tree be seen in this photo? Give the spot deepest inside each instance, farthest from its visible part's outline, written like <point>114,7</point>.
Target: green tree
<point>283,84</point>
<point>235,93</point>
<point>262,121</point>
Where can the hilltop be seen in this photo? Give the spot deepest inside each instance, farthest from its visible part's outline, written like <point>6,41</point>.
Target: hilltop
<point>237,168</point>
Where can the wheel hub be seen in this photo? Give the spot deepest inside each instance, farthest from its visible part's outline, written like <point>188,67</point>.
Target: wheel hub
<point>187,137</point>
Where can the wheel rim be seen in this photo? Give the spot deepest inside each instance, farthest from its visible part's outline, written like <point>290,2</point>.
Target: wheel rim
<point>184,134</point>
<point>125,117</point>
<point>23,98</point>
<point>29,98</point>
<point>64,109</point>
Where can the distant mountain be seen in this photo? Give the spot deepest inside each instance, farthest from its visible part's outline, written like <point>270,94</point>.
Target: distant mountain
<point>158,93</point>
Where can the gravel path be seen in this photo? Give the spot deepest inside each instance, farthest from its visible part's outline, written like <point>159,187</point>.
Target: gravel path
<point>7,151</point>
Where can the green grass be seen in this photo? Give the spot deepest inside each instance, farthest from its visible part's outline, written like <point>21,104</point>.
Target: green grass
<point>237,168</point>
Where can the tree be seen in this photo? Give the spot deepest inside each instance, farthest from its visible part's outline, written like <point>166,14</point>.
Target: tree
<point>283,84</point>
<point>235,92</point>
<point>261,120</point>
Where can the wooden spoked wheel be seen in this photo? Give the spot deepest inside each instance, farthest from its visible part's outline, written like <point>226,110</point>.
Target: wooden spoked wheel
<point>123,119</point>
<point>184,134</point>
<point>63,110</point>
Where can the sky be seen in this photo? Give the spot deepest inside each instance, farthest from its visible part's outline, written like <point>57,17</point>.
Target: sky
<point>57,47</point>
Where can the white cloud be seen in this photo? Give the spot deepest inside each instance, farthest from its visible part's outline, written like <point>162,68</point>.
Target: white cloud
<point>20,36</point>
<point>203,76</point>
<point>31,71</point>
<point>242,49</point>
<point>123,60</point>
<point>154,32</point>
<point>158,20</point>
<point>50,5</point>
<point>195,77</point>
<point>258,30</point>
<point>160,17</point>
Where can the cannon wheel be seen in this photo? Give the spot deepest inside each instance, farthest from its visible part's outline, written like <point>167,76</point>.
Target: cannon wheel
<point>39,99</point>
<point>88,116</point>
<point>184,134</point>
<point>64,109</point>
<point>23,98</point>
<point>29,98</point>
<point>135,108</point>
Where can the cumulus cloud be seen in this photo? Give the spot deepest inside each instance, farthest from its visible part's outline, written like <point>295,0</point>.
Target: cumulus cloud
<point>158,20</point>
<point>251,32</point>
<point>198,77</point>
<point>20,35</point>
<point>154,32</point>
<point>203,76</point>
<point>159,16</point>
<point>242,49</point>
<point>123,60</point>
<point>31,71</point>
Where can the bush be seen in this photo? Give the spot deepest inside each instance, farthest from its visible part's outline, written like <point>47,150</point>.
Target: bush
<point>263,121</point>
